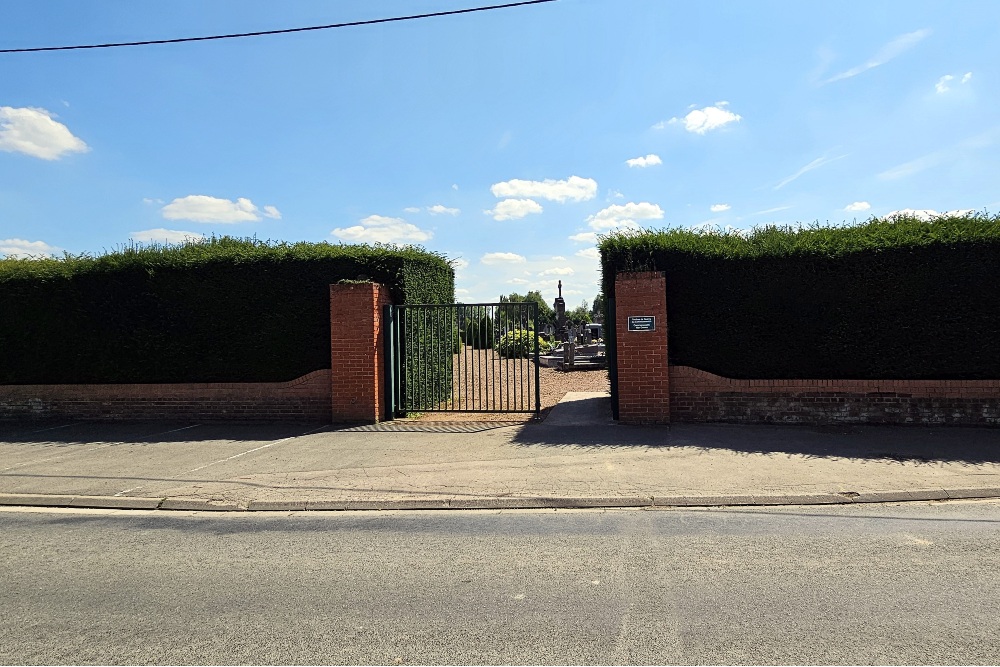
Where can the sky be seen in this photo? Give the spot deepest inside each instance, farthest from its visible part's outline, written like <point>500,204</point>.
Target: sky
<point>506,140</point>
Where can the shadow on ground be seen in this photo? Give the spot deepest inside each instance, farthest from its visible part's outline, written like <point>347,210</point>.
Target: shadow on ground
<point>594,428</point>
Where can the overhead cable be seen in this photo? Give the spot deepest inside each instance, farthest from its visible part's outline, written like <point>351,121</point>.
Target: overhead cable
<point>276,32</point>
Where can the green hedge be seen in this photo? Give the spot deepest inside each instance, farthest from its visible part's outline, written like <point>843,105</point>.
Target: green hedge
<point>901,298</point>
<point>219,310</point>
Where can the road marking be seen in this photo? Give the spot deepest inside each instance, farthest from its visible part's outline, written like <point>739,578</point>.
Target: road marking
<point>228,458</point>
<point>51,428</point>
<point>92,449</point>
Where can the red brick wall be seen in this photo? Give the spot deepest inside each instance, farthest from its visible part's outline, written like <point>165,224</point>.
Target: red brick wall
<point>643,378</point>
<point>696,395</point>
<point>306,398</point>
<point>357,352</point>
<point>651,392</point>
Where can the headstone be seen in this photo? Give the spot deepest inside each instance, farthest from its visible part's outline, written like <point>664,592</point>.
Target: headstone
<point>560,308</point>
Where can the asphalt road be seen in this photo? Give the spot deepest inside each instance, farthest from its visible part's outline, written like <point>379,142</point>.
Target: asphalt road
<point>908,583</point>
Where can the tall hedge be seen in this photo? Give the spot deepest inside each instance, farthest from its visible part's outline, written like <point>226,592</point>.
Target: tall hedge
<point>901,298</point>
<point>219,310</point>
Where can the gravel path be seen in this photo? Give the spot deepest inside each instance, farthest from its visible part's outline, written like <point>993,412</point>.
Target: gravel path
<point>553,384</point>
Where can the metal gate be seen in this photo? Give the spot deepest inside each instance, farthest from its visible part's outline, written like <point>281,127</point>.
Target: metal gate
<point>480,357</point>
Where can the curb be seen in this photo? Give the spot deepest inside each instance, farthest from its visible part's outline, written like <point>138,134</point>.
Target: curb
<point>299,505</point>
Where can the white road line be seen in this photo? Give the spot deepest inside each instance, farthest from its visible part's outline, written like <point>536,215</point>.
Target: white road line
<point>91,449</point>
<point>228,458</point>
<point>51,428</point>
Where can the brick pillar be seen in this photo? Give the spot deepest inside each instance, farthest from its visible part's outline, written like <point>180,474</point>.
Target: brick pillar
<point>643,377</point>
<point>357,354</point>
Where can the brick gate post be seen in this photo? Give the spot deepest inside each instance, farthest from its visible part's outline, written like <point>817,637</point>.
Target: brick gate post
<point>643,374</point>
<point>357,351</point>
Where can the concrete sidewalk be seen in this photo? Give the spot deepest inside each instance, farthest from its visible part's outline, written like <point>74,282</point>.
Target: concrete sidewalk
<point>577,457</point>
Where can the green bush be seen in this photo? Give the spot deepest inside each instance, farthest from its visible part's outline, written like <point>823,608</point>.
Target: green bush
<point>901,298</point>
<point>218,310</point>
<point>479,333</point>
<point>518,343</point>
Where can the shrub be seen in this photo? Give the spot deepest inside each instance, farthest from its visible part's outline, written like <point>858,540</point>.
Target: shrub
<point>518,343</point>
<point>895,298</point>
<point>219,310</point>
<point>479,333</point>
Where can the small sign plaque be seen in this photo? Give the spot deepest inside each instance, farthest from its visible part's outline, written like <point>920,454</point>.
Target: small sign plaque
<point>642,323</point>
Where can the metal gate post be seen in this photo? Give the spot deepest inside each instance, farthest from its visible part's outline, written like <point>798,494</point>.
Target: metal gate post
<point>389,322</point>
<point>538,383</point>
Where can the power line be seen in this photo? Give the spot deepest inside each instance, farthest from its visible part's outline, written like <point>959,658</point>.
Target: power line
<point>275,32</point>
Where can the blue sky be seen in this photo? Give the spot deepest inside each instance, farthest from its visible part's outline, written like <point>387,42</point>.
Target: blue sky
<point>506,140</point>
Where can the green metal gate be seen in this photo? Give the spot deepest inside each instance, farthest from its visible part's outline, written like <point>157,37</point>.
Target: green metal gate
<point>480,357</point>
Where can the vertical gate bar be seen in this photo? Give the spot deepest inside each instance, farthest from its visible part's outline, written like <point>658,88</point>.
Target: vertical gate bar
<point>462,367</point>
<point>423,358</point>
<point>479,380</point>
<point>514,367</point>
<point>538,400</point>
<point>477,385</point>
<point>400,378</point>
<point>456,366</point>
<point>511,366</point>
<point>436,349</point>
<point>470,361</point>
<point>511,383</point>
<point>387,355</point>
<point>400,371</point>
<point>526,393</point>
<point>493,361</point>
<point>530,325</point>
<point>450,319</point>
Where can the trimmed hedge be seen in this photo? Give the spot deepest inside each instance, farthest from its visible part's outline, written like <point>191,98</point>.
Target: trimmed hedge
<point>218,310</point>
<point>900,299</point>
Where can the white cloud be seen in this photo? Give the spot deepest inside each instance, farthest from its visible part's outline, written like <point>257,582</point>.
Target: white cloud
<point>514,209</point>
<point>558,258</point>
<point>459,264</point>
<point>618,215</point>
<point>589,253</point>
<point>151,200</point>
<point>34,132</point>
<point>858,206</point>
<point>701,121</point>
<point>412,209</point>
<point>772,210</point>
<point>615,194</point>
<point>438,209</point>
<point>202,208</point>
<point>519,281</point>
<point>943,85</point>
<point>557,271</point>
<point>454,186</point>
<point>647,161</point>
<point>24,248</point>
<point>815,164</point>
<point>161,235</point>
<point>928,214</point>
<point>719,208</point>
<point>573,188</point>
<point>891,50</point>
<point>914,166</point>
<point>502,258</point>
<point>382,229</point>
<point>584,237</point>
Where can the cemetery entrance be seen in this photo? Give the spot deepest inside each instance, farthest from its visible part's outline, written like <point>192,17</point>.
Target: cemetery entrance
<point>462,357</point>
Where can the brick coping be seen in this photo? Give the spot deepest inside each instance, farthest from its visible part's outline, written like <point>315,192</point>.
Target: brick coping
<point>320,377</point>
<point>685,379</point>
